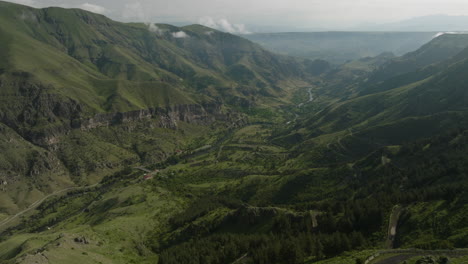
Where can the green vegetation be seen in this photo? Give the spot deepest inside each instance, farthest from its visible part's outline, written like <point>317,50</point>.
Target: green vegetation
<point>83,96</point>
<point>123,145</point>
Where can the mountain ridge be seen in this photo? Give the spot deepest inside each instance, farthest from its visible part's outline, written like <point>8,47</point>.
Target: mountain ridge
<point>87,91</point>
<point>174,145</point>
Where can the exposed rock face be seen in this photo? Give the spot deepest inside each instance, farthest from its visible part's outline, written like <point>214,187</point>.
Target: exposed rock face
<point>168,117</point>
<point>81,240</point>
<point>42,117</point>
<point>43,137</point>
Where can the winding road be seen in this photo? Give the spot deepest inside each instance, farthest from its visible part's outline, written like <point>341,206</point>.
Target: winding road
<point>311,96</point>
<point>40,201</point>
<point>311,99</point>
<point>397,256</point>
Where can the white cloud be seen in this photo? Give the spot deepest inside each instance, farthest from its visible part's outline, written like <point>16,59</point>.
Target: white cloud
<point>180,34</point>
<point>449,33</point>
<point>155,29</point>
<point>93,8</point>
<point>26,15</point>
<point>224,25</point>
<point>271,14</point>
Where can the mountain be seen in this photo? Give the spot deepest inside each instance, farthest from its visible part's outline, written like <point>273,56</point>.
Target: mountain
<point>437,50</point>
<point>128,53</point>
<point>411,105</point>
<point>431,23</point>
<point>137,143</point>
<point>339,47</point>
<point>83,95</point>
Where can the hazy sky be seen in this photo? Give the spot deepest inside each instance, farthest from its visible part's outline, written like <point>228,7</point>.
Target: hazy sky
<point>233,14</point>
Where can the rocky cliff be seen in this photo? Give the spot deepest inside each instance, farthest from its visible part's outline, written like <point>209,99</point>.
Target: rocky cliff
<point>42,117</point>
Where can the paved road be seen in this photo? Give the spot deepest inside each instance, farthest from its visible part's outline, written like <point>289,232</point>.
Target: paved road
<point>38,202</point>
<point>311,96</point>
<point>392,225</point>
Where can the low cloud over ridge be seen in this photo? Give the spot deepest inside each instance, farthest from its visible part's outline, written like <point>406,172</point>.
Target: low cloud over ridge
<point>154,28</point>
<point>180,34</point>
<point>449,33</point>
<point>223,25</point>
<point>93,8</point>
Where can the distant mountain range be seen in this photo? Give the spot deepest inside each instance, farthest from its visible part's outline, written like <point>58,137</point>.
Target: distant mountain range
<point>426,23</point>
<point>150,143</point>
<point>362,41</point>
<point>64,71</point>
<point>430,23</point>
<point>339,47</point>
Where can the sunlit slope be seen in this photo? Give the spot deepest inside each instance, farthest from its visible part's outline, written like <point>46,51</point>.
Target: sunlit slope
<point>108,65</point>
<point>437,50</point>
<point>415,105</point>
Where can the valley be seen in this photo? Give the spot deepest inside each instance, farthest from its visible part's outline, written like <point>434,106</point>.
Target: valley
<point>125,144</point>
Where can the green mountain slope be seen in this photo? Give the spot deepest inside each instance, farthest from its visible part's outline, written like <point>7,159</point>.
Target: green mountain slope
<point>107,57</point>
<point>96,95</point>
<point>437,50</point>
<point>404,108</point>
<point>134,143</point>
<point>255,206</point>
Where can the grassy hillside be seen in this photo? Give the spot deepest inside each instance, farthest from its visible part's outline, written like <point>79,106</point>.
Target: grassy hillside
<point>437,50</point>
<point>95,95</point>
<point>244,195</point>
<point>108,59</point>
<point>404,108</point>
<point>135,143</point>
